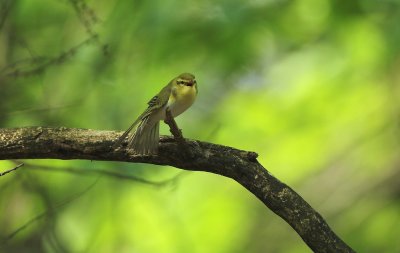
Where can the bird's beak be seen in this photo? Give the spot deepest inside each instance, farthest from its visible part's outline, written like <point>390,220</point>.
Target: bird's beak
<point>191,83</point>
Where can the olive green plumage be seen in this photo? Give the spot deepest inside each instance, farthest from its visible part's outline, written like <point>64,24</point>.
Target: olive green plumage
<point>178,95</point>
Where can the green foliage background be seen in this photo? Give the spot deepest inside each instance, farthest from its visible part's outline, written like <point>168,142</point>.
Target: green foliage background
<point>311,85</point>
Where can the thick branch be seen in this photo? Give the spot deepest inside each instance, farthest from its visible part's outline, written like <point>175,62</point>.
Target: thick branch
<point>242,166</point>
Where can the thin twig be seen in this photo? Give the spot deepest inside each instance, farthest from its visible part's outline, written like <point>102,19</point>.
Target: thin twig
<point>16,72</point>
<point>13,169</point>
<point>108,173</point>
<point>5,10</point>
<point>47,212</point>
<point>86,15</point>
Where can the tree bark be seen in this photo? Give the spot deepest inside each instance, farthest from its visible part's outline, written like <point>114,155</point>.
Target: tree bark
<point>242,166</point>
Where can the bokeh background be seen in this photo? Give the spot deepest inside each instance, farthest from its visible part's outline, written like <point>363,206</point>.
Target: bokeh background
<point>313,86</point>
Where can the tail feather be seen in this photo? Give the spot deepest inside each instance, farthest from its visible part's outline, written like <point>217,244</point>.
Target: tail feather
<point>125,134</point>
<point>153,137</point>
<point>145,139</point>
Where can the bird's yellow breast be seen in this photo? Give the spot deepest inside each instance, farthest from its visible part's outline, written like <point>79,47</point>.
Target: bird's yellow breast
<point>181,99</point>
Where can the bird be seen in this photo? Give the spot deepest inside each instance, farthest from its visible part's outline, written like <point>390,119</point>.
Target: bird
<point>177,96</point>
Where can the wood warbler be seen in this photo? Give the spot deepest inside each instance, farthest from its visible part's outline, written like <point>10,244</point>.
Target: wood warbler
<point>178,95</point>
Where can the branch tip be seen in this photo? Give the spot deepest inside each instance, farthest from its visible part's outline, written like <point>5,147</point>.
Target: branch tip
<point>11,170</point>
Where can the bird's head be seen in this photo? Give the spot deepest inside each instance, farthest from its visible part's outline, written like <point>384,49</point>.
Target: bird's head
<point>186,79</point>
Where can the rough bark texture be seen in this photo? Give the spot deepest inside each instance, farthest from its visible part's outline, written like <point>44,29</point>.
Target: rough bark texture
<point>242,166</point>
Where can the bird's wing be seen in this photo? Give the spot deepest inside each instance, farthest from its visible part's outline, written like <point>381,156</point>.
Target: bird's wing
<point>157,102</point>
<point>160,99</point>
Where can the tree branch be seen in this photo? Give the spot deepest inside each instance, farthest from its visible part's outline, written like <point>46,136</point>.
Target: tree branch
<point>242,166</point>
<point>11,170</point>
<point>103,172</point>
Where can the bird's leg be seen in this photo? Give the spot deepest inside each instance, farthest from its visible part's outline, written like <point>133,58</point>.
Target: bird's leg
<point>177,133</point>
<point>173,127</point>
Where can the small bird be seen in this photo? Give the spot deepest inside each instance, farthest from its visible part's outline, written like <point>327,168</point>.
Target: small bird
<point>178,95</point>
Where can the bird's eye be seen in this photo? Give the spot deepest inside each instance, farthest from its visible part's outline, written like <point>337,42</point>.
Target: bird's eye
<point>179,82</point>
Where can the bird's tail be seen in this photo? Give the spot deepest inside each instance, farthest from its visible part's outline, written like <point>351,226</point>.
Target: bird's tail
<point>121,139</point>
<point>144,140</point>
